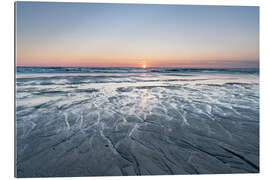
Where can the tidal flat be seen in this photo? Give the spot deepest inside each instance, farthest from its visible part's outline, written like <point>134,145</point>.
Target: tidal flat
<point>114,122</point>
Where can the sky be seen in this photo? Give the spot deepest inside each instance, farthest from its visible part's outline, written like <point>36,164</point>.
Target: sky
<point>133,35</point>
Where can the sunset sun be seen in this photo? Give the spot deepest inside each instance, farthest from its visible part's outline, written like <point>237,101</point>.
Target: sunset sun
<point>144,66</point>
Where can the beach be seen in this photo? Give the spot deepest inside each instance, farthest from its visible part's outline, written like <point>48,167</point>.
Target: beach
<point>134,121</point>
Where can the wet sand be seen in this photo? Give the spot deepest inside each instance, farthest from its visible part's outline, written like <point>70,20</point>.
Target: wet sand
<point>137,124</point>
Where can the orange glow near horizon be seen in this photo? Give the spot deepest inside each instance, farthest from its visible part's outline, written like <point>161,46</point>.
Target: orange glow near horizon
<point>136,62</point>
<point>56,57</point>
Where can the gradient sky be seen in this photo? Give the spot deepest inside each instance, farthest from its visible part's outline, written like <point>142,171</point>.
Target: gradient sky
<point>87,34</point>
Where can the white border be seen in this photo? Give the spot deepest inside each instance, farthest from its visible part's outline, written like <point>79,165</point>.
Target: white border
<point>7,87</point>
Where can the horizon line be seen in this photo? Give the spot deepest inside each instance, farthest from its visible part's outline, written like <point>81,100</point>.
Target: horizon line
<point>36,66</point>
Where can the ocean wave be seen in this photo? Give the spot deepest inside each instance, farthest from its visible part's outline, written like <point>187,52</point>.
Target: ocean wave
<point>37,70</point>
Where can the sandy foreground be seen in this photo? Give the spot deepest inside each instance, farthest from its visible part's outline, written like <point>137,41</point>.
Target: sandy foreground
<point>136,124</point>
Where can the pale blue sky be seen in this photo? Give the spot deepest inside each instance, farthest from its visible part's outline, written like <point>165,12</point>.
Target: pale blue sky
<point>87,34</point>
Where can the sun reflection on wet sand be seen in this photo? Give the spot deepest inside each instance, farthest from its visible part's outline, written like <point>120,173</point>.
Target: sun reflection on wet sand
<point>143,104</point>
